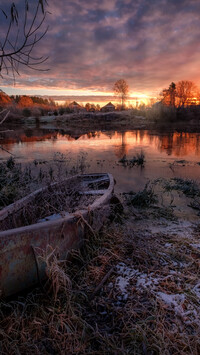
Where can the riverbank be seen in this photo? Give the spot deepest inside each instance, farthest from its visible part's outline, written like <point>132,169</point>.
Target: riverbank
<point>124,120</point>
<point>117,120</point>
<point>132,289</point>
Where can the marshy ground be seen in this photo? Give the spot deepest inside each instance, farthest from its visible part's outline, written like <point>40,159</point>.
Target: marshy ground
<point>132,289</point>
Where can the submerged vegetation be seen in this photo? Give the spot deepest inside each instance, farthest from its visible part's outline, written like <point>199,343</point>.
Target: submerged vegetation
<point>138,160</point>
<point>17,180</point>
<point>13,181</point>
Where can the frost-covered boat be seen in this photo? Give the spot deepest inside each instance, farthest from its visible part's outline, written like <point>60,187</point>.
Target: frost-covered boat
<point>51,216</point>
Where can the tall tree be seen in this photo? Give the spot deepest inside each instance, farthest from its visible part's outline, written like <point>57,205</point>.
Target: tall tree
<point>20,36</point>
<point>169,95</point>
<point>121,89</point>
<point>172,93</point>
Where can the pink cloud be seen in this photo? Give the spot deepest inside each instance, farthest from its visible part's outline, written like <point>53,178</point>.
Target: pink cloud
<point>91,44</point>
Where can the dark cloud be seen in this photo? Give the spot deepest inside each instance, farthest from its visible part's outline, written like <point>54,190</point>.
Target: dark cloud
<point>103,34</point>
<point>96,15</point>
<point>93,43</point>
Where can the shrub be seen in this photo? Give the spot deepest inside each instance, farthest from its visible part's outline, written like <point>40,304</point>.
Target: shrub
<point>10,163</point>
<point>162,113</point>
<point>142,199</point>
<point>61,111</point>
<point>26,112</point>
<point>36,112</point>
<point>68,110</point>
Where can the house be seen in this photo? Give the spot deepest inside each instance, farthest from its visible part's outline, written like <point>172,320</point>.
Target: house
<point>74,106</point>
<point>108,108</point>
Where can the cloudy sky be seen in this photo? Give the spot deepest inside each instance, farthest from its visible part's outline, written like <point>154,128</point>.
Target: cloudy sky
<point>93,43</point>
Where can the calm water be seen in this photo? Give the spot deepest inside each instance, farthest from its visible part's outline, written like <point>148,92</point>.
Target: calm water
<point>166,155</point>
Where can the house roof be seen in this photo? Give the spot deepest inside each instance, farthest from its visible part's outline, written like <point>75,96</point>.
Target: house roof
<point>109,104</point>
<point>74,103</point>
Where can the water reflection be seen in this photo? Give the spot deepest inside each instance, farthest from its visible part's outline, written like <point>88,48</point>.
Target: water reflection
<point>121,143</point>
<point>181,144</point>
<point>163,152</point>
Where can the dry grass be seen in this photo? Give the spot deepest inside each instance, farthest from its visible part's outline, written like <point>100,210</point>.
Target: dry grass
<point>52,202</point>
<point>58,280</point>
<point>148,304</point>
<point>17,180</point>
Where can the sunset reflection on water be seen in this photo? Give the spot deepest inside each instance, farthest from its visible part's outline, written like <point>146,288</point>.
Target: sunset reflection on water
<point>105,149</point>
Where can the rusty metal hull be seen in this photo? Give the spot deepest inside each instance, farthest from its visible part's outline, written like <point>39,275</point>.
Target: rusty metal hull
<point>21,265</point>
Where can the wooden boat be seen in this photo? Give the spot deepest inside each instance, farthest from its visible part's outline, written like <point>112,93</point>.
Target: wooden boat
<point>27,229</point>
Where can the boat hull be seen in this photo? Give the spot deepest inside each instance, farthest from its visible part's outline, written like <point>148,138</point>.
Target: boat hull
<point>22,250</point>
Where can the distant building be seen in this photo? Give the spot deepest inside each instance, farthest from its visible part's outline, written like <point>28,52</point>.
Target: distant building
<point>108,108</point>
<point>74,106</point>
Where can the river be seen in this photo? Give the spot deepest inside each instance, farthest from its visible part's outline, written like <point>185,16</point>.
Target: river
<point>167,155</point>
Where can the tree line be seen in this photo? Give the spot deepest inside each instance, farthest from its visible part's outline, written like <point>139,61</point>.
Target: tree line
<point>184,93</point>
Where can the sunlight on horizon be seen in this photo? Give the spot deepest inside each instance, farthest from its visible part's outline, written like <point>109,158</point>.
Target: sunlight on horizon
<point>84,96</point>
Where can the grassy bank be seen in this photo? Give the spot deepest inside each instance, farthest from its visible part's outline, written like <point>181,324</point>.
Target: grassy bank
<point>132,289</point>
<point>157,117</point>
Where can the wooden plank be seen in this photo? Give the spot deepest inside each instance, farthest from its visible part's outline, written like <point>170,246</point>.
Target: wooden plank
<point>96,181</point>
<point>92,192</point>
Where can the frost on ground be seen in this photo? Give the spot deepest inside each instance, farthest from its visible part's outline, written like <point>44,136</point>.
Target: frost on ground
<point>165,268</point>
<point>129,276</point>
<point>195,246</point>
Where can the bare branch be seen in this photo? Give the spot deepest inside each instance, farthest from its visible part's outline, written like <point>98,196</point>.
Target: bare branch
<point>4,117</point>
<point>6,150</point>
<point>19,51</point>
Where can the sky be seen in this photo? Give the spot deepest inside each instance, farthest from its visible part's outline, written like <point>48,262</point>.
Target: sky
<point>91,44</point>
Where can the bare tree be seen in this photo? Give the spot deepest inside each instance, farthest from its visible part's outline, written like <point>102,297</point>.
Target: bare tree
<point>20,38</point>
<point>121,89</point>
<point>185,90</point>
